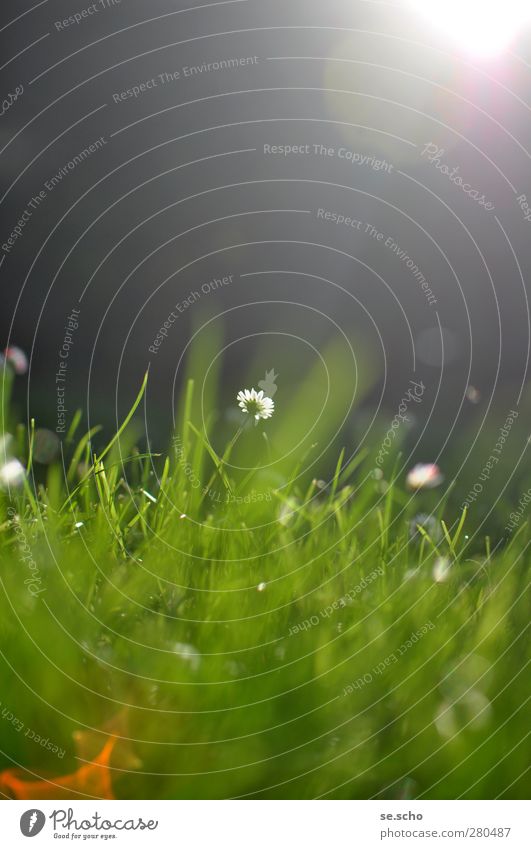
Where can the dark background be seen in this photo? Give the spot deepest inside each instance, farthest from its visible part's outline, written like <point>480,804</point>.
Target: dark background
<point>186,194</point>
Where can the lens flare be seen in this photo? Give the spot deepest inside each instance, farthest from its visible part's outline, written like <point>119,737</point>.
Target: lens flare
<point>480,27</point>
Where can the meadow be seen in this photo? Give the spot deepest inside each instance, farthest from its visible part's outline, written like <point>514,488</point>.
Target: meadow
<point>178,626</point>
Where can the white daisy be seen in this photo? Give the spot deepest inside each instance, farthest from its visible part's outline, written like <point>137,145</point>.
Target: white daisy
<point>424,476</point>
<point>12,474</point>
<point>256,403</point>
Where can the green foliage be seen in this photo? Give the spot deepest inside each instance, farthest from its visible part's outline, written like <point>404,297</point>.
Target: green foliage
<point>352,673</point>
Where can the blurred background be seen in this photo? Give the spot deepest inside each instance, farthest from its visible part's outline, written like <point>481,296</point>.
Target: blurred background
<point>332,193</point>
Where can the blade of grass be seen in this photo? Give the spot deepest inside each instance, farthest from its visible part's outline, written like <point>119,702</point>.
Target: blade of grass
<point>335,479</point>
<point>218,461</point>
<point>108,447</point>
<point>460,527</point>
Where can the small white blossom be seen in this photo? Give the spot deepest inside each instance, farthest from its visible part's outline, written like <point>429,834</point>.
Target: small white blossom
<point>256,403</point>
<point>424,476</point>
<point>189,654</point>
<point>441,570</point>
<point>473,395</point>
<point>17,359</point>
<point>12,474</point>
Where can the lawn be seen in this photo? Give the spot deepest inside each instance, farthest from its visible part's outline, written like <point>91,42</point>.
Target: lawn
<point>181,626</point>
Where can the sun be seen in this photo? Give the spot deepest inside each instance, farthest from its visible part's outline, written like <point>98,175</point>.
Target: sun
<point>480,27</point>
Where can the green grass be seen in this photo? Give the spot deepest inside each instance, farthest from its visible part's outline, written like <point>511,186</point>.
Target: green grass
<point>299,689</point>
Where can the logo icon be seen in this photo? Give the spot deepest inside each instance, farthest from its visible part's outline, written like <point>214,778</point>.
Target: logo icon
<point>32,822</point>
<point>268,383</point>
